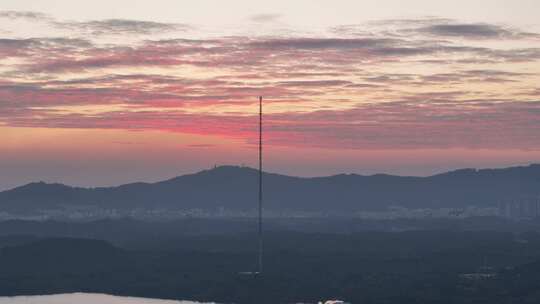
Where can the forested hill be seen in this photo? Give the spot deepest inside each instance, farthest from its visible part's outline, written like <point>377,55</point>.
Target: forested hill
<point>235,188</point>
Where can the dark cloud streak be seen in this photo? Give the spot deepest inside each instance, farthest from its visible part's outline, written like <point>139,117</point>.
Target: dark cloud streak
<point>27,15</point>
<point>122,27</point>
<point>475,31</point>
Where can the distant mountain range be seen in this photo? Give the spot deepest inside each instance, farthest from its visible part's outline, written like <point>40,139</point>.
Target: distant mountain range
<point>235,188</point>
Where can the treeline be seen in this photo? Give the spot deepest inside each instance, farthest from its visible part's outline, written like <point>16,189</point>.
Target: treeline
<point>361,267</point>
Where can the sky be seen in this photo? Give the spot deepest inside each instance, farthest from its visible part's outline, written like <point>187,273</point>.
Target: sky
<point>101,93</point>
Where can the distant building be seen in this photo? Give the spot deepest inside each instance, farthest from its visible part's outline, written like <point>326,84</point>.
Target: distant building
<point>520,208</point>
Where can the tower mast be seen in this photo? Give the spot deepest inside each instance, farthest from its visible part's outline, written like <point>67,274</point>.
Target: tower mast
<point>260,264</point>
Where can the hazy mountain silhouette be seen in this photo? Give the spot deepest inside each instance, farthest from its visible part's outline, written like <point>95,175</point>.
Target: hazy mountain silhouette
<point>235,188</point>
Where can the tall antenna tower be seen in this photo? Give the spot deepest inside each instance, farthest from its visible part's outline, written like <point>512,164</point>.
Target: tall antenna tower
<point>260,217</point>
<point>260,264</point>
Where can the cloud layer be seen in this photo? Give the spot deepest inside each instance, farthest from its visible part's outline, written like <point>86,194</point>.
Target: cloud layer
<point>392,84</point>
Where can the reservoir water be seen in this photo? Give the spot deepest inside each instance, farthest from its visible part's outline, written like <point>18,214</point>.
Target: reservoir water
<point>85,298</point>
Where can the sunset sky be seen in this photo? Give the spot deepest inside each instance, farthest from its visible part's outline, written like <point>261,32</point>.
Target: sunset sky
<point>98,93</point>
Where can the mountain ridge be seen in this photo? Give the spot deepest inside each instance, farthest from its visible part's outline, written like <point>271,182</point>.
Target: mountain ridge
<point>451,172</point>
<point>234,187</point>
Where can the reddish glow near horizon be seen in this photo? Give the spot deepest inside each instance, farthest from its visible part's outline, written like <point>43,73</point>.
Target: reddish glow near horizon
<point>100,102</point>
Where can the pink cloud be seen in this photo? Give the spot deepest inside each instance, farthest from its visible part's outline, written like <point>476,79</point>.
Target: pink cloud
<point>347,98</point>
<point>392,125</point>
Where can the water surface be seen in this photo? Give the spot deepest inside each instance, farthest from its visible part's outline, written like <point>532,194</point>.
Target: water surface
<point>85,298</point>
